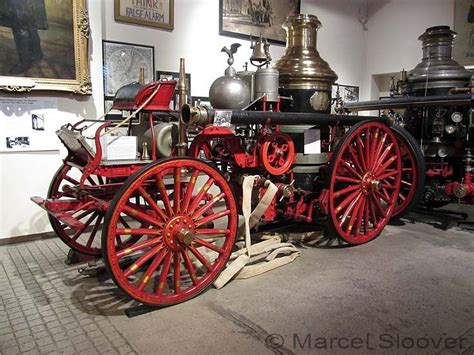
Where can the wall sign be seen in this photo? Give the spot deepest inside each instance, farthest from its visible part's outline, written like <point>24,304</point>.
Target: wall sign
<point>155,13</point>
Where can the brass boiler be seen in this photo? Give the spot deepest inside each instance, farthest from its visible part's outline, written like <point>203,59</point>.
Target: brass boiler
<point>304,75</point>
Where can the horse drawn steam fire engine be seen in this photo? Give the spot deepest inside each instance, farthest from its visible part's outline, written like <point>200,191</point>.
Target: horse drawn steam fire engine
<point>166,225</point>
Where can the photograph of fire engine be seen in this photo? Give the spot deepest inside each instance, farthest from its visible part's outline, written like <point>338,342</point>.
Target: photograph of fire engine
<point>316,197</point>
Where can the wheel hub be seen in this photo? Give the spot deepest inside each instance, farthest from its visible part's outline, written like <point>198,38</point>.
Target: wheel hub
<point>177,230</point>
<point>370,184</point>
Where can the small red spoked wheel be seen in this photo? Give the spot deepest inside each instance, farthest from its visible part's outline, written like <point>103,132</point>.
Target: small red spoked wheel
<point>413,172</point>
<point>277,153</point>
<point>83,240</point>
<point>192,219</point>
<point>365,172</point>
<point>201,148</point>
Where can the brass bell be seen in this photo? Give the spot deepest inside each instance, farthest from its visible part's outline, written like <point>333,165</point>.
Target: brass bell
<point>260,53</point>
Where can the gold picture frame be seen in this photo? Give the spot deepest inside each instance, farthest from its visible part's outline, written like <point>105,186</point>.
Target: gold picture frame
<point>147,13</point>
<point>463,51</point>
<point>52,70</point>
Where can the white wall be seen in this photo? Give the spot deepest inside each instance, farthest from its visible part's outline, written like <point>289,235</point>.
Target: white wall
<point>195,37</point>
<point>24,174</point>
<point>392,36</point>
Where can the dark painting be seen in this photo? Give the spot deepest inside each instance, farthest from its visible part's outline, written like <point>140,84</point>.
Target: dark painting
<point>37,39</point>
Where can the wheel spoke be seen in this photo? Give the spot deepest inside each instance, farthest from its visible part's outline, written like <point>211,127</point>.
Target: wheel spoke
<point>208,245</point>
<point>164,274</point>
<point>355,213</point>
<point>355,160</point>
<point>378,193</point>
<point>348,166</point>
<point>346,201</point>
<point>91,180</point>
<point>360,150</point>
<point>385,165</point>
<point>208,205</point>
<point>390,174</point>
<point>367,147</point>
<point>373,214</point>
<point>138,231</point>
<point>143,217</point>
<point>360,216</point>
<point>177,273</point>
<point>177,189</point>
<point>189,190</point>
<point>378,151</point>
<point>378,206</point>
<point>346,190</point>
<point>212,231</point>
<point>164,195</point>
<point>373,146</point>
<point>200,257</point>
<point>83,214</point>
<point>83,228</point>
<point>404,182</point>
<point>152,203</point>
<point>94,230</point>
<point>366,217</point>
<point>71,180</point>
<point>347,179</point>
<point>189,267</point>
<point>211,218</point>
<point>142,260</point>
<point>349,209</point>
<point>151,269</point>
<point>138,246</point>
<point>124,222</point>
<point>383,155</point>
<point>200,195</point>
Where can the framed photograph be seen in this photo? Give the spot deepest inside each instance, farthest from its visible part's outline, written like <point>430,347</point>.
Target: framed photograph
<point>169,75</point>
<point>122,64</point>
<point>245,18</point>
<point>44,46</point>
<point>348,93</point>
<point>155,13</point>
<point>463,50</point>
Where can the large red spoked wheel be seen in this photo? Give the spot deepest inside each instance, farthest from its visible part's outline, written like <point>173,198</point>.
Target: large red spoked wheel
<point>62,187</point>
<point>413,172</point>
<point>364,182</point>
<point>277,153</point>
<point>192,219</point>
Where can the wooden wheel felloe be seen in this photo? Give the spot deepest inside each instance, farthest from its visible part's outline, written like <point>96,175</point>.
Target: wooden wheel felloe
<point>277,153</point>
<point>364,182</point>
<point>191,220</point>
<point>62,187</point>
<point>413,172</point>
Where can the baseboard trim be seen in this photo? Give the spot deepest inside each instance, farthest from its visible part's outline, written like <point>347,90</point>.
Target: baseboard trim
<point>27,238</point>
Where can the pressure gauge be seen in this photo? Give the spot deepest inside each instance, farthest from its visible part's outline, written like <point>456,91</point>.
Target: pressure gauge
<point>456,117</point>
<point>450,129</point>
<point>442,152</point>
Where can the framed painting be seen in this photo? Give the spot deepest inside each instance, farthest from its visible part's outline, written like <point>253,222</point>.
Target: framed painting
<point>44,46</point>
<point>170,75</point>
<point>155,13</point>
<point>245,18</point>
<point>463,50</point>
<point>122,64</point>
